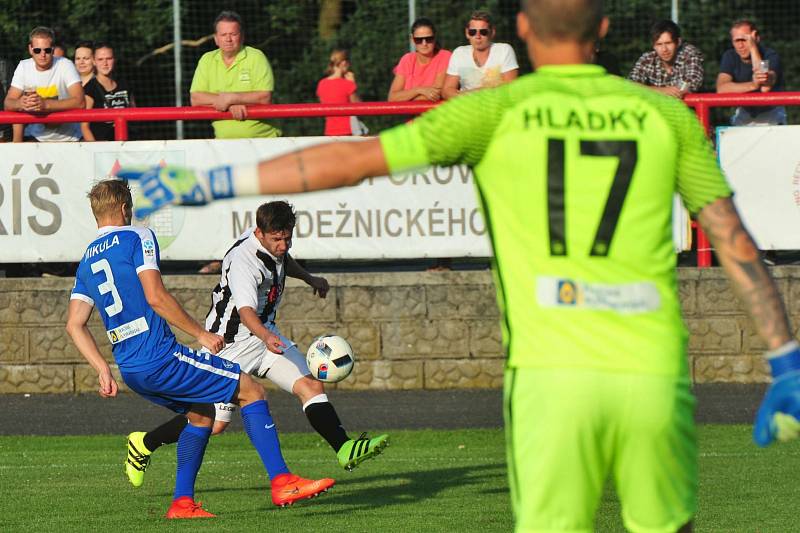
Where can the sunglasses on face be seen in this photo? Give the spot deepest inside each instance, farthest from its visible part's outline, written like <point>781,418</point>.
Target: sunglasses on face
<point>473,31</point>
<point>425,39</point>
<point>47,51</point>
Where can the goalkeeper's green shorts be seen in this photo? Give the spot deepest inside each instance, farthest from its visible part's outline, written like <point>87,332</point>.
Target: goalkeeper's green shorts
<point>568,429</point>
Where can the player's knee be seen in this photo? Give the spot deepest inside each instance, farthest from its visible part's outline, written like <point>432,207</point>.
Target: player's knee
<point>249,389</point>
<point>201,415</point>
<point>219,427</point>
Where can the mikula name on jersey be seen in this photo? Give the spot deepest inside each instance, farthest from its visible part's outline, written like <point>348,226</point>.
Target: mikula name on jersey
<point>101,247</point>
<point>585,119</point>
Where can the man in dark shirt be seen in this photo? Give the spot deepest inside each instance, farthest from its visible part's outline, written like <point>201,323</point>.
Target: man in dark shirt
<point>750,67</point>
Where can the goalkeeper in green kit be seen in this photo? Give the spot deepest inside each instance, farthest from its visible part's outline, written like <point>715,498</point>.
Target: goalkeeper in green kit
<point>576,172</point>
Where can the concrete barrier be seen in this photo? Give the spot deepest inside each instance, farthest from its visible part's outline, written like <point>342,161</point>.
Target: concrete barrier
<point>410,330</point>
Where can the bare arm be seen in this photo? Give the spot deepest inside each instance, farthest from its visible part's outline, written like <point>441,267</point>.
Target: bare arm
<point>77,319</point>
<point>450,87</point>
<point>222,101</point>
<point>725,84</point>
<point>398,94</point>
<point>738,255</point>
<point>13,100</point>
<point>253,323</point>
<point>251,98</point>
<point>85,129</point>
<point>309,169</point>
<point>511,75</point>
<point>318,283</point>
<point>170,310</point>
<point>203,99</point>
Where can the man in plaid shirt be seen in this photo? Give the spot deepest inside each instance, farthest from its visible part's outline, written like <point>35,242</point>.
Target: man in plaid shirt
<point>672,67</point>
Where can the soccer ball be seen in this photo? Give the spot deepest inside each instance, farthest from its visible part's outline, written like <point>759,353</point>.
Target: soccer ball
<point>330,358</point>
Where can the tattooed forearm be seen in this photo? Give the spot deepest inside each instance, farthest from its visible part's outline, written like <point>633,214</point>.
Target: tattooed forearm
<point>301,169</point>
<point>738,254</point>
<point>763,302</point>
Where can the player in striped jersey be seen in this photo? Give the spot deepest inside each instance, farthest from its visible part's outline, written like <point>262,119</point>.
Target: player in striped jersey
<point>119,274</point>
<point>576,172</point>
<point>243,308</point>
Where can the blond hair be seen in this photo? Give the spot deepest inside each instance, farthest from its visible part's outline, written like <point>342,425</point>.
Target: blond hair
<point>337,56</point>
<point>107,196</point>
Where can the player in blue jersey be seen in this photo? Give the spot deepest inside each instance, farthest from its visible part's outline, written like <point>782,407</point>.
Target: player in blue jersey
<point>119,274</point>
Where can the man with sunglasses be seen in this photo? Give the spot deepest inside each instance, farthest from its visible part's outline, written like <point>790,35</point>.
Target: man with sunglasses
<point>43,84</point>
<point>482,63</point>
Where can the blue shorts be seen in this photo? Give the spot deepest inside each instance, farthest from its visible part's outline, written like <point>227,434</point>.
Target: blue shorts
<point>186,377</point>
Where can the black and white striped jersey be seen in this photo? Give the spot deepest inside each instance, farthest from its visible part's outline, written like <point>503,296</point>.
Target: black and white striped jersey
<point>251,277</point>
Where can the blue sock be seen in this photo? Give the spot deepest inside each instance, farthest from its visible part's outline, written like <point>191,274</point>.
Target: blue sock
<point>191,447</point>
<point>261,430</point>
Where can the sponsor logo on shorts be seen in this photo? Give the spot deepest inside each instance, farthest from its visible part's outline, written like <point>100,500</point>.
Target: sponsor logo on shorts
<point>227,364</point>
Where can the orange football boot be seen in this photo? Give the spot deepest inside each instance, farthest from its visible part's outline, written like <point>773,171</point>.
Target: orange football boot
<point>185,507</point>
<point>288,488</point>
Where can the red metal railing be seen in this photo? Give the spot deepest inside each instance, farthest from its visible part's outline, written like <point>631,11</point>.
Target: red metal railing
<point>701,103</point>
<point>121,117</point>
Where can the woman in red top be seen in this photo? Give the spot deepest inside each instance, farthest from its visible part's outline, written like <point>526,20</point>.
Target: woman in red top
<point>419,75</point>
<point>338,87</point>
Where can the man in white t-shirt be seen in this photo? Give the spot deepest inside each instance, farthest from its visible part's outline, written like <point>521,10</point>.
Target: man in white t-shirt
<point>43,84</point>
<point>482,63</point>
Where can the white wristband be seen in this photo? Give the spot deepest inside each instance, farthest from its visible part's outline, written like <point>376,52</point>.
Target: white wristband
<point>245,180</point>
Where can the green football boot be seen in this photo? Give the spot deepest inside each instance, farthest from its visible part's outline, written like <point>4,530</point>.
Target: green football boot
<point>355,451</point>
<point>138,458</point>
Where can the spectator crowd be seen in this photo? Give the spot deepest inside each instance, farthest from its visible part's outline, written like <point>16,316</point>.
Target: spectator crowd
<point>235,75</point>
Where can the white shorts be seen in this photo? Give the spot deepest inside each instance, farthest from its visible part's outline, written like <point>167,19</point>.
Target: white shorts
<point>256,359</point>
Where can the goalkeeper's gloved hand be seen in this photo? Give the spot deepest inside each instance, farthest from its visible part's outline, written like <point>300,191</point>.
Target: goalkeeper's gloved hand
<point>160,186</point>
<point>779,414</point>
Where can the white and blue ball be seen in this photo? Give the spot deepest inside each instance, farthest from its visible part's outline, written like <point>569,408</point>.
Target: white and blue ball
<point>330,358</point>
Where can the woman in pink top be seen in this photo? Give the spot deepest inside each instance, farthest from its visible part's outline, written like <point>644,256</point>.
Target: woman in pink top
<point>339,87</point>
<point>419,75</point>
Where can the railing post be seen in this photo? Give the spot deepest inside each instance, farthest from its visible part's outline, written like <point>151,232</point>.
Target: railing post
<point>703,245</point>
<point>120,129</point>
<point>704,116</point>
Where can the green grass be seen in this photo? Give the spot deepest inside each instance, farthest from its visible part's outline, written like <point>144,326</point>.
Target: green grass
<point>426,481</point>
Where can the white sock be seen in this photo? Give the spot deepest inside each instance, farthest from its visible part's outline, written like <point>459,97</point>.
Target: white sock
<point>319,398</point>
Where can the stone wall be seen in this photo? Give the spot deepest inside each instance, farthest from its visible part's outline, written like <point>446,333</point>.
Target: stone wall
<point>410,330</point>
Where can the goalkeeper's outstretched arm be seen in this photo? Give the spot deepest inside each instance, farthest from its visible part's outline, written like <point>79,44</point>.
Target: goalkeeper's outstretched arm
<point>325,166</point>
<point>779,414</point>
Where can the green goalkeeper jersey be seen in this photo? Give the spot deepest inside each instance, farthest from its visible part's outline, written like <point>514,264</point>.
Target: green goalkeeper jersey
<point>576,171</point>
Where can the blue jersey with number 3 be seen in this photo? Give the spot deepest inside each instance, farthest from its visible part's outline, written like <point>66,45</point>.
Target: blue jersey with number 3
<point>108,278</point>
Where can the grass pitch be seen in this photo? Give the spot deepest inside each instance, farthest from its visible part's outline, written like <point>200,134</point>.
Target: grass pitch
<point>425,481</point>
